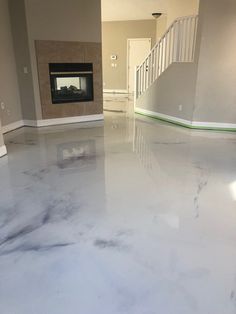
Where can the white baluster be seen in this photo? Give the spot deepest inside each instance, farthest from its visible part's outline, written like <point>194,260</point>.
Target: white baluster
<point>176,45</point>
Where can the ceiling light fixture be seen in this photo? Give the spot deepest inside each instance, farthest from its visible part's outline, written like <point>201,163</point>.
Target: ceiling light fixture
<point>156,15</point>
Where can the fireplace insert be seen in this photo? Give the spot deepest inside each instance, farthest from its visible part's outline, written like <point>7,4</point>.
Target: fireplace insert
<point>71,82</point>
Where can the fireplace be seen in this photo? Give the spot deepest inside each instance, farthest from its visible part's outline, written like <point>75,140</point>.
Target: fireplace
<point>71,82</point>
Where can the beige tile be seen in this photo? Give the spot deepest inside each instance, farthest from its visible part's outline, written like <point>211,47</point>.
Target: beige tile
<point>71,52</point>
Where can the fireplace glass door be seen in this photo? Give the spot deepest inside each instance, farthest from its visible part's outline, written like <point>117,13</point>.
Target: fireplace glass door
<point>71,82</point>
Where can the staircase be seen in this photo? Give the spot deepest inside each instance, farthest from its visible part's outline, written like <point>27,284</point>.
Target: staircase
<point>176,45</point>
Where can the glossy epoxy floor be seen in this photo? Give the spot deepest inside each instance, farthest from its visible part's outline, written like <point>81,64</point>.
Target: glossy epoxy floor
<point>133,217</point>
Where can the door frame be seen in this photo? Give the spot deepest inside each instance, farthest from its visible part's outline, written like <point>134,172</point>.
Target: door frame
<point>127,61</point>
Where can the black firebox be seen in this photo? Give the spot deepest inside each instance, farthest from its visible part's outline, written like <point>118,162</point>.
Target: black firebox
<point>71,82</point>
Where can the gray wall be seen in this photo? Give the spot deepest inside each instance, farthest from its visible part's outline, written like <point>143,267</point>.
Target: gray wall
<point>175,87</point>
<point>9,91</point>
<point>23,22</point>
<point>60,20</point>
<point>216,79</point>
<point>115,35</point>
<point>69,20</point>
<point>1,137</point>
<point>213,74</point>
<point>22,55</point>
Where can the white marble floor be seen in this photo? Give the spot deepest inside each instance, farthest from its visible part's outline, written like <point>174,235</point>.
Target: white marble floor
<point>132,217</point>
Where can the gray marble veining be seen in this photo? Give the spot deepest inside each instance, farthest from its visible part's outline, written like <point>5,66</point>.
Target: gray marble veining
<point>131,217</point>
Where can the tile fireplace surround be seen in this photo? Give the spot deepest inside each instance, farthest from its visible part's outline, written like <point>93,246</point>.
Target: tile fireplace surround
<point>68,52</point>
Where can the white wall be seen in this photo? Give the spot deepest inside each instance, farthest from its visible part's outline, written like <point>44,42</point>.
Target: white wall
<point>161,26</point>
<point>179,8</point>
<point>174,10</point>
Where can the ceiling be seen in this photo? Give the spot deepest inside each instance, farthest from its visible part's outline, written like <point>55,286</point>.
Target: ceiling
<point>121,10</point>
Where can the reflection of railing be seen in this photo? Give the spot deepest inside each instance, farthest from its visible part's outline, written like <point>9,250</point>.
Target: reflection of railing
<point>142,149</point>
<point>176,45</point>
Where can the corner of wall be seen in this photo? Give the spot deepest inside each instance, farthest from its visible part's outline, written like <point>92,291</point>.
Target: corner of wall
<point>10,96</point>
<point>20,33</point>
<point>3,150</point>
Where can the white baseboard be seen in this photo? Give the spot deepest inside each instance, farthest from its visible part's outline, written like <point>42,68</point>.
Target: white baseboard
<point>31,123</point>
<point>162,116</point>
<point>187,123</point>
<point>115,91</point>
<point>69,120</point>
<point>12,126</point>
<point>51,122</point>
<point>214,125</point>
<point>3,151</point>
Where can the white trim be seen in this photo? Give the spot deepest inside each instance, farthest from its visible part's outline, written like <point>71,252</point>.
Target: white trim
<point>187,123</point>
<point>48,122</point>
<point>31,123</point>
<point>127,58</point>
<point>218,125</point>
<point>12,126</point>
<point>116,91</point>
<point>3,151</point>
<point>89,118</point>
<point>163,116</point>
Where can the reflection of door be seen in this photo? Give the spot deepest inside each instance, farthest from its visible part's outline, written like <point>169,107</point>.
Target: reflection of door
<point>138,50</point>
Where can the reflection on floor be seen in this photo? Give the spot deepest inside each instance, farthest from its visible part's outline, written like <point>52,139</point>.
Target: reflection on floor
<point>134,216</point>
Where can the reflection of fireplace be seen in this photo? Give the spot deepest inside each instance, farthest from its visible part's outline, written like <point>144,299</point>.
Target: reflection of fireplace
<point>77,155</point>
<point>71,82</point>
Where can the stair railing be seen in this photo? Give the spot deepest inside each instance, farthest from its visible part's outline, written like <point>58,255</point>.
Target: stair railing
<point>176,45</point>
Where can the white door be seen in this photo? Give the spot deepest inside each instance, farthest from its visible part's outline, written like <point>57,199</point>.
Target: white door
<point>138,50</point>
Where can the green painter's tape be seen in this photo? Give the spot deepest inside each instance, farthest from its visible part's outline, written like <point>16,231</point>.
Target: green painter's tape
<point>207,128</point>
